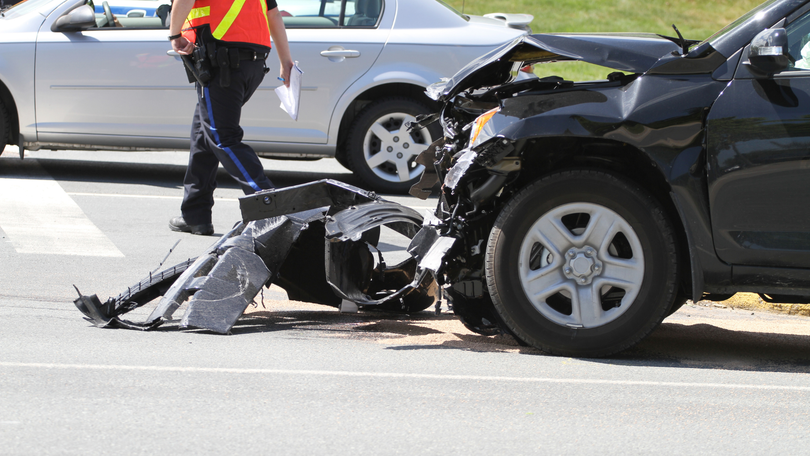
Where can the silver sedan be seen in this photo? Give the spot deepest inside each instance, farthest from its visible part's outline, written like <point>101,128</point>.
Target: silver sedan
<point>72,77</point>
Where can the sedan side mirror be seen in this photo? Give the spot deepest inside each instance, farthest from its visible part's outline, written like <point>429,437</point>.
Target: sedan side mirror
<point>769,52</point>
<point>80,18</point>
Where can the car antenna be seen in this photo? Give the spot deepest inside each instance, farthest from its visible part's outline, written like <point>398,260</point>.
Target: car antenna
<point>684,46</point>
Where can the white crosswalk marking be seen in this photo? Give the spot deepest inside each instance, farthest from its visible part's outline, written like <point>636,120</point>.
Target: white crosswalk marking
<point>39,217</point>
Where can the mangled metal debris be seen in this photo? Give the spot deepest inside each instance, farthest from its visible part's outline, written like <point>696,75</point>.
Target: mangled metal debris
<point>318,241</point>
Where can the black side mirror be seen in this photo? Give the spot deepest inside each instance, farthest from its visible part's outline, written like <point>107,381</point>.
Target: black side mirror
<point>77,19</point>
<point>769,52</point>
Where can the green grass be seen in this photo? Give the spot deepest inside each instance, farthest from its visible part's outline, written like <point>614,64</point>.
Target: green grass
<point>696,20</point>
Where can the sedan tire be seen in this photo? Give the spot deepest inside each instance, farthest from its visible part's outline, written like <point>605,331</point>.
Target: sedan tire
<point>381,151</point>
<point>582,263</point>
<point>4,127</point>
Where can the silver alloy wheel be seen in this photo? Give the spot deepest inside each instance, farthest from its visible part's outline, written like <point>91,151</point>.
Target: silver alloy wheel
<point>390,149</point>
<point>582,274</point>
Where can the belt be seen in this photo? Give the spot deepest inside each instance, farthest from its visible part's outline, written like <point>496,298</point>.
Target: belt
<point>249,54</point>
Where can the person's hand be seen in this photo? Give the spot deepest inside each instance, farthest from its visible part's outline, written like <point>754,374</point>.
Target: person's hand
<point>182,46</point>
<point>284,73</point>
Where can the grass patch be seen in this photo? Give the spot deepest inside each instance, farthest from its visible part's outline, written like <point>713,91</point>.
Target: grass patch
<point>696,20</point>
<point>751,301</point>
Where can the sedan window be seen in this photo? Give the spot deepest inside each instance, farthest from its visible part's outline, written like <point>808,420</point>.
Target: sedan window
<point>362,13</point>
<point>330,13</point>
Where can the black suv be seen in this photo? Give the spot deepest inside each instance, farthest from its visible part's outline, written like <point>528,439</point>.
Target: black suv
<point>586,212</point>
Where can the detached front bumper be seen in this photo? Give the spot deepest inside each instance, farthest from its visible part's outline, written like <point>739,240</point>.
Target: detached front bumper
<point>318,241</point>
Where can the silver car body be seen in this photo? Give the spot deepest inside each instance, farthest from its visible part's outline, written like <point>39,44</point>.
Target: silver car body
<point>121,88</point>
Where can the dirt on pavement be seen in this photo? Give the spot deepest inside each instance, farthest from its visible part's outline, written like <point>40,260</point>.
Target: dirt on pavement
<point>735,334</point>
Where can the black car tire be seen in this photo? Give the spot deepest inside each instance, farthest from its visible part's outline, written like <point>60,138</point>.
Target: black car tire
<point>599,229</point>
<point>398,146</point>
<point>4,128</point>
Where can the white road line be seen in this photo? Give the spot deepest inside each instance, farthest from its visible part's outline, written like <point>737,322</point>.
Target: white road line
<point>39,217</point>
<point>474,378</point>
<point>121,195</point>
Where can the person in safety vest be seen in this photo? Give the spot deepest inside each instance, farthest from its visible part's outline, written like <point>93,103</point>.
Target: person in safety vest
<point>224,44</point>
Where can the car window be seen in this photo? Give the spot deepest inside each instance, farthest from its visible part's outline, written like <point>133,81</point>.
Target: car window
<point>330,13</point>
<point>362,13</point>
<point>132,14</point>
<point>798,34</point>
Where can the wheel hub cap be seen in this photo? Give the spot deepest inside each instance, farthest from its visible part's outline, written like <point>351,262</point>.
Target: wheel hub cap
<point>582,265</point>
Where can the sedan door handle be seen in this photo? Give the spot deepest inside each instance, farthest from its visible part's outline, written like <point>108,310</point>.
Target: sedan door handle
<point>346,53</point>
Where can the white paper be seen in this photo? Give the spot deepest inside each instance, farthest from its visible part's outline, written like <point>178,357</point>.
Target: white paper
<point>291,96</point>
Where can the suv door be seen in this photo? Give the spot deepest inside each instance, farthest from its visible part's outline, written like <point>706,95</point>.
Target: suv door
<point>759,162</point>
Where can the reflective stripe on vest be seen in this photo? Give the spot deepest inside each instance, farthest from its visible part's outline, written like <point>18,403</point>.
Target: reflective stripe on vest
<point>197,13</point>
<point>227,21</point>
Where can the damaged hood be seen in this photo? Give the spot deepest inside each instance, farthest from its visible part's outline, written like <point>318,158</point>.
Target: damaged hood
<point>628,52</point>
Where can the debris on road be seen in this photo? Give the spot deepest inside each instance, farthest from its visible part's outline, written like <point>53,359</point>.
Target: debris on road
<point>317,241</point>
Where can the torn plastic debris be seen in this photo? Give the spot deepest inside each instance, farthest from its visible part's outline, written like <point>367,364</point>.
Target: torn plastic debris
<point>317,241</point>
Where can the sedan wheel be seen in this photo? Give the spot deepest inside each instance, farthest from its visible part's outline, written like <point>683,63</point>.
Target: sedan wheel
<point>382,152</point>
<point>582,264</point>
<point>4,127</point>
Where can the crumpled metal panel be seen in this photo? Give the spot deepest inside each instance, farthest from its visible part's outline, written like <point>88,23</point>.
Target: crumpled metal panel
<point>350,266</point>
<point>227,279</point>
<point>429,178</point>
<point>224,294</point>
<point>352,222</point>
<point>298,198</point>
<point>321,253</point>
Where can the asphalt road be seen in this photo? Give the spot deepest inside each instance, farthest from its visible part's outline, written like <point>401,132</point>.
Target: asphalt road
<point>304,379</point>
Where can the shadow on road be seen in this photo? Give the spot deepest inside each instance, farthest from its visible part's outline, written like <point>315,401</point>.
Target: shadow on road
<point>708,346</point>
<point>671,345</point>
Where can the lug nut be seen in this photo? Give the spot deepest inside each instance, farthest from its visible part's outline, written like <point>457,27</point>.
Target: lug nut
<point>568,270</point>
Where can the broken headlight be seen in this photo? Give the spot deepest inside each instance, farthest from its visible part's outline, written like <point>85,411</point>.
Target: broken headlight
<point>480,133</point>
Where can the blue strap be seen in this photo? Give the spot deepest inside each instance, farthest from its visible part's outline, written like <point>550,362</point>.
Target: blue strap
<point>227,149</point>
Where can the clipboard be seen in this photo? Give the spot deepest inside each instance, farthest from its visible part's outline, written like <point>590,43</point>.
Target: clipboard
<point>291,96</point>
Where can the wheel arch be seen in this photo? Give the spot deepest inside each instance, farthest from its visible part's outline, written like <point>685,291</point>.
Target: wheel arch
<point>401,89</point>
<point>547,155</point>
<point>13,133</point>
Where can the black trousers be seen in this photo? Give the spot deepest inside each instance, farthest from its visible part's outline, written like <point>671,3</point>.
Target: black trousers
<point>216,137</point>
